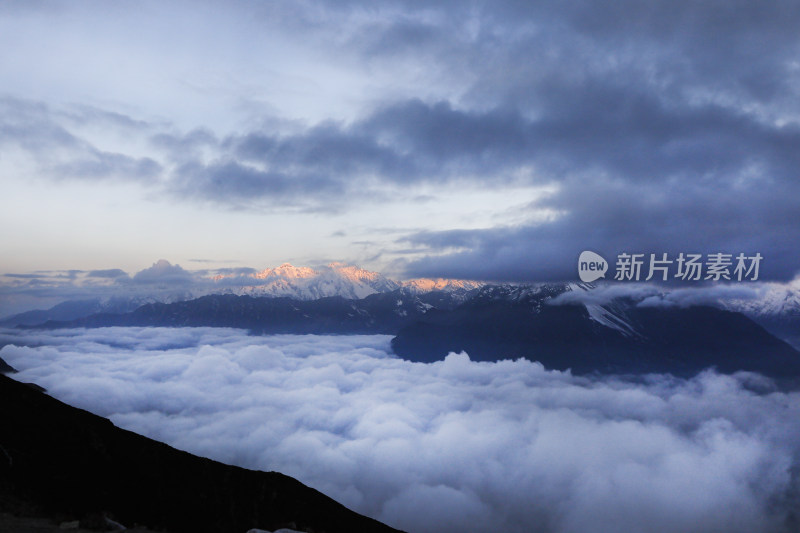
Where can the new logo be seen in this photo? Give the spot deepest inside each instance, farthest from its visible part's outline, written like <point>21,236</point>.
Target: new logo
<point>591,266</point>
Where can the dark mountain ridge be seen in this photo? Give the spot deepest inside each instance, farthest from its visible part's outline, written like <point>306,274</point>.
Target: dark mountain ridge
<point>378,313</point>
<point>680,341</point>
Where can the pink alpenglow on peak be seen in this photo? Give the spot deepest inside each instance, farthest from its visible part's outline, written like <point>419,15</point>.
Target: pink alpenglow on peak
<point>440,284</point>
<point>286,270</point>
<point>354,273</point>
<point>333,279</point>
<point>305,283</point>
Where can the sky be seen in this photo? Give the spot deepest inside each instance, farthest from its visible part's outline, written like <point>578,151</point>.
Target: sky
<point>476,140</point>
<point>454,445</point>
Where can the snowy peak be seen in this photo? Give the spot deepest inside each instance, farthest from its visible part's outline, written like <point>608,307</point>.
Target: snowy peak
<point>305,283</point>
<point>440,284</point>
<point>611,314</point>
<point>286,271</point>
<point>535,294</point>
<point>334,279</point>
<point>776,299</point>
<point>358,275</point>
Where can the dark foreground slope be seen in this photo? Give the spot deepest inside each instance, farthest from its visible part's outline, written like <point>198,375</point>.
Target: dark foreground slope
<point>67,463</point>
<point>5,368</point>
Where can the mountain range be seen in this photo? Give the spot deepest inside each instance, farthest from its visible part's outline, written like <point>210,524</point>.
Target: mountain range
<point>305,283</point>
<point>777,308</point>
<point>493,322</point>
<point>286,280</point>
<point>618,337</point>
<point>334,279</point>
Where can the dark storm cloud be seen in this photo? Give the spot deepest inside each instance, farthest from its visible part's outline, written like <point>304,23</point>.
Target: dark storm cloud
<point>636,171</point>
<point>314,169</point>
<point>740,47</point>
<point>612,218</point>
<point>663,126</point>
<point>635,174</point>
<point>237,185</point>
<point>451,141</point>
<point>669,126</point>
<point>403,36</point>
<point>333,147</point>
<point>590,131</point>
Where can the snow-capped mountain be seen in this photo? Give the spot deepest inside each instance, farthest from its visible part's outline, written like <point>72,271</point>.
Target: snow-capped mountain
<point>612,314</point>
<point>534,297</point>
<point>304,283</point>
<point>167,283</point>
<point>334,279</point>
<point>777,309</point>
<point>617,336</point>
<point>775,299</point>
<point>422,285</point>
<point>539,322</point>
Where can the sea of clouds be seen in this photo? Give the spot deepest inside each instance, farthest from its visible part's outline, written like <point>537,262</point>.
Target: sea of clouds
<point>455,445</point>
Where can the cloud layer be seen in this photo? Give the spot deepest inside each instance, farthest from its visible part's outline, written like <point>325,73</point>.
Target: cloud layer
<point>451,446</point>
<point>658,127</point>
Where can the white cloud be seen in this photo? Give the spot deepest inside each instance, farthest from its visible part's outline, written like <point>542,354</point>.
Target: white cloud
<point>653,295</point>
<point>450,446</point>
